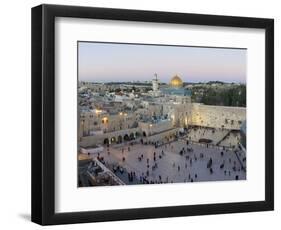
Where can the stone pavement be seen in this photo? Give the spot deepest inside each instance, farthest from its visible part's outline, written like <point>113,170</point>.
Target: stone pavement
<point>173,167</point>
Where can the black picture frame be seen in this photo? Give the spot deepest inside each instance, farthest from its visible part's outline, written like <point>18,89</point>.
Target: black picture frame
<point>43,114</point>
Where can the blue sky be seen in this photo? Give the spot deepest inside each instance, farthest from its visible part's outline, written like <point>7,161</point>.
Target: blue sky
<point>106,62</point>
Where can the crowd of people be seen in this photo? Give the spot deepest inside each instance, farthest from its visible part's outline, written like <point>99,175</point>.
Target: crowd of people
<point>190,171</point>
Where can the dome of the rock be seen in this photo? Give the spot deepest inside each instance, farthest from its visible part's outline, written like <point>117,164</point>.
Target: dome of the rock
<point>176,81</point>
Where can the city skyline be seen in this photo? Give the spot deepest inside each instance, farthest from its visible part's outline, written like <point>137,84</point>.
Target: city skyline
<point>115,62</point>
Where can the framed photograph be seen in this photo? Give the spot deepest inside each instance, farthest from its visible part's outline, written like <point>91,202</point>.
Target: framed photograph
<point>143,114</point>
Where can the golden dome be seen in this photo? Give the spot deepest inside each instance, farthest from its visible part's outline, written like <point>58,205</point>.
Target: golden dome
<point>176,81</point>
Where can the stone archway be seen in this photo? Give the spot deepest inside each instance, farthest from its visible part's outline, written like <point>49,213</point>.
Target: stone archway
<point>132,136</point>
<point>106,141</point>
<point>119,139</point>
<point>113,140</point>
<point>137,134</point>
<point>126,137</point>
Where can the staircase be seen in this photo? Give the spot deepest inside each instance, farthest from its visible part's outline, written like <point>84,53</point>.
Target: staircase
<point>218,143</point>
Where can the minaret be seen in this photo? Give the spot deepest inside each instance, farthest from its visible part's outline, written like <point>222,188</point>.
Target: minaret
<point>155,83</point>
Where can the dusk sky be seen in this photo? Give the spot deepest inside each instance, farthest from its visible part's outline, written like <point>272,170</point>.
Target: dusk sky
<point>109,62</point>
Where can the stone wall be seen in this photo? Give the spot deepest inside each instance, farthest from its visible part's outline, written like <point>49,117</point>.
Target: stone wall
<point>162,137</point>
<point>153,128</point>
<point>179,113</point>
<point>218,116</point>
<point>105,122</point>
<point>120,135</point>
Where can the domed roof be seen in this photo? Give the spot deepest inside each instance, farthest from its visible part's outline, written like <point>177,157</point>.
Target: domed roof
<point>176,81</point>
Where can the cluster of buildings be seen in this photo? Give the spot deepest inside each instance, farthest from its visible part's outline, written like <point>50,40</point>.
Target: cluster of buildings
<point>116,113</point>
<point>148,113</point>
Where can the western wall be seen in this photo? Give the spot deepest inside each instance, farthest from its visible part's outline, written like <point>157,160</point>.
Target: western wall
<point>218,116</point>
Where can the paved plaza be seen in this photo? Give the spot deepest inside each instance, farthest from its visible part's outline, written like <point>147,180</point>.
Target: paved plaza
<point>175,162</point>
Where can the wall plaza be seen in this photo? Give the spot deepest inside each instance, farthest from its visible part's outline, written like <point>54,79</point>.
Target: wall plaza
<point>115,118</point>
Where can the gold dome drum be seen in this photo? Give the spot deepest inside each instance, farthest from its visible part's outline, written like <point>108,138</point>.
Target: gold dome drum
<point>176,82</point>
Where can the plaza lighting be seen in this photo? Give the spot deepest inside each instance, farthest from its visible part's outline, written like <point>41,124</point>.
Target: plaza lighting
<point>105,119</point>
